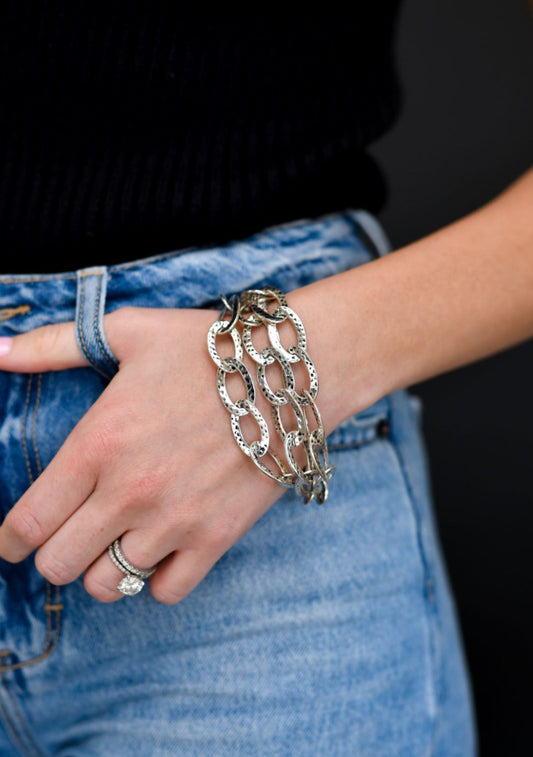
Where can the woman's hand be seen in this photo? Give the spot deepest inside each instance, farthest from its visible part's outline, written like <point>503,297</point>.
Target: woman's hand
<point>154,457</point>
<point>153,460</point>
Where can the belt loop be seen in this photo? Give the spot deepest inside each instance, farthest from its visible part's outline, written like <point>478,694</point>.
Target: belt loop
<point>90,308</point>
<point>370,227</point>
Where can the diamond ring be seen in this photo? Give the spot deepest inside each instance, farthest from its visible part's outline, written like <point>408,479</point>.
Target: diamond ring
<point>133,581</point>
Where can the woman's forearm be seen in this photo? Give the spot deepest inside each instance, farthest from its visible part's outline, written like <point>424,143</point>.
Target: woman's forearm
<point>451,298</point>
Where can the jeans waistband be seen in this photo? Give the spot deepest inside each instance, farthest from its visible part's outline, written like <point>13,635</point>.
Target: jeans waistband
<point>293,233</point>
<point>289,256</point>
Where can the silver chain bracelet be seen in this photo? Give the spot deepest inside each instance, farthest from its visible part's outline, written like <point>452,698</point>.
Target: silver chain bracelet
<point>249,311</point>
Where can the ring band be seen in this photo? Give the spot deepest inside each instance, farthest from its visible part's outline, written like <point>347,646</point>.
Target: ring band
<point>133,581</point>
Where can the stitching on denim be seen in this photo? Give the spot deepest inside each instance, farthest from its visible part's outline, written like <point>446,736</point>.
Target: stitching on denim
<point>51,637</point>
<point>11,730</point>
<point>7,313</point>
<point>110,359</point>
<point>79,326</point>
<point>34,424</point>
<point>44,277</point>
<point>13,735</point>
<point>21,735</point>
<point>352,445</point>
<point>23,429</point>
<point>57,606</point>
<point>44,654</point>
<point>47,603</point>
<point>427,575</point>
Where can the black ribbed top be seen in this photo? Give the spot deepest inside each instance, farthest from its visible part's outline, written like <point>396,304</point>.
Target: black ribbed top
<point>133,128</point>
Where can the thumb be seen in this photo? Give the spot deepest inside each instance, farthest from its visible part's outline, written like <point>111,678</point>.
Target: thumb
<point>47,348</point>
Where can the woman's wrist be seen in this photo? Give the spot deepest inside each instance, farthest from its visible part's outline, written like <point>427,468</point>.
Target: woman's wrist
<point>348,366</point>
<point>451,298</point>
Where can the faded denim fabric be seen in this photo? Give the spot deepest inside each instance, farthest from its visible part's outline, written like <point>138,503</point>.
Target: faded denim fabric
<point>324,631</point>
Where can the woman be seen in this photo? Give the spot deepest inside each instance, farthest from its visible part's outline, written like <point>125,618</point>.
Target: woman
<point>269,627</point>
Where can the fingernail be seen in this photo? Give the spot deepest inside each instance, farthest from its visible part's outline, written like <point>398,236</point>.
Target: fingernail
<point>5,345</point>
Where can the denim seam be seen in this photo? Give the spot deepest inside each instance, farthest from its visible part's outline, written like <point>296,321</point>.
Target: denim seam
<point>50,643</point>
<point>84,347</point>
<point>23,429</point>
<point>96,326</point>
<point>51,637</point>
<point>43,277</point>
<point>17,727</point>
<point>427,578</point>
<point>428,574</point>
<point>34,424</point>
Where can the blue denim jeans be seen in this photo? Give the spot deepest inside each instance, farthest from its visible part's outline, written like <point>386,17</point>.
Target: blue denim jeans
<point>323,631</point>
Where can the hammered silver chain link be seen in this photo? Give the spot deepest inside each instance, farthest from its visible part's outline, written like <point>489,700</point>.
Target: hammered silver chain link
<point>249,311</point>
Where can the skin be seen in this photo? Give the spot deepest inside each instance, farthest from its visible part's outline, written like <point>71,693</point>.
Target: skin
<point>166,473</point>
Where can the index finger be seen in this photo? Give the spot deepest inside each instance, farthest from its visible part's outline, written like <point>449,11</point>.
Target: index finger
<point>47,348</point>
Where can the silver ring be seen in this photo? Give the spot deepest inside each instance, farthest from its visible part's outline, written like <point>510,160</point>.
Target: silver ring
<point>133,581</point>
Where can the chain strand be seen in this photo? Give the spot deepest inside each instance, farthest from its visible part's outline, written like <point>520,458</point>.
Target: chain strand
<point>249,311</point>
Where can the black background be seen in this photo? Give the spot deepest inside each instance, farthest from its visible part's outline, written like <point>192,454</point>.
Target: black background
<point>465,133</point>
